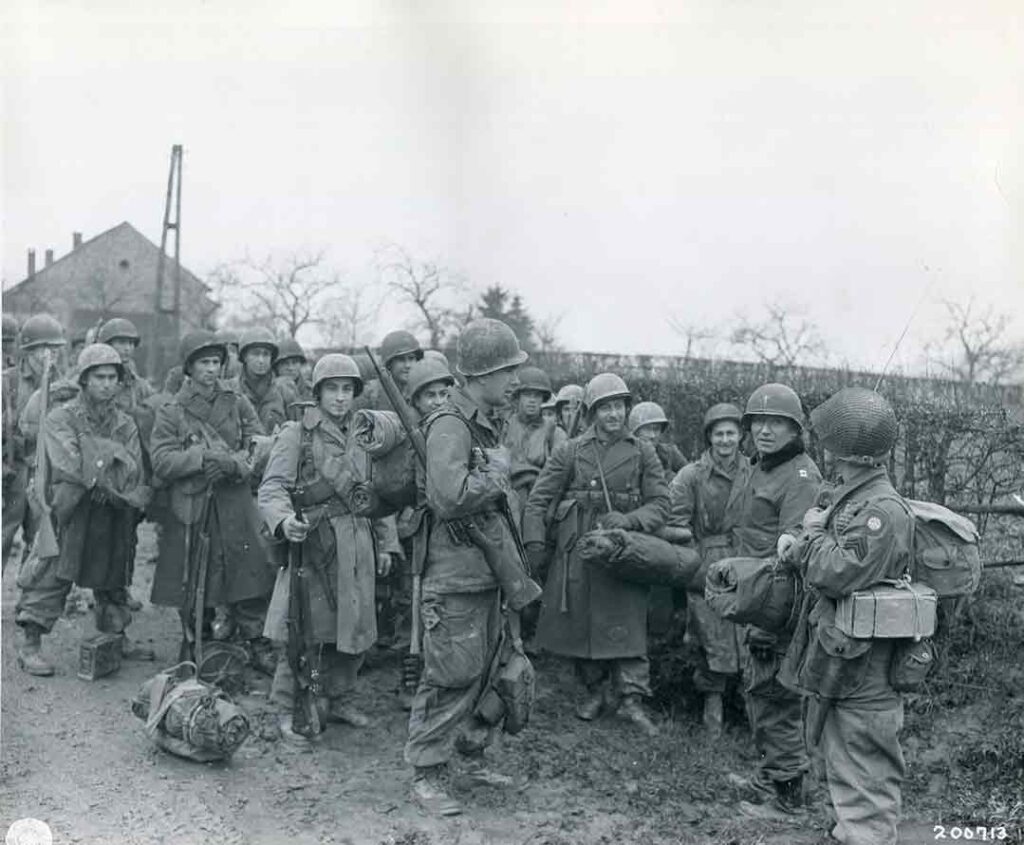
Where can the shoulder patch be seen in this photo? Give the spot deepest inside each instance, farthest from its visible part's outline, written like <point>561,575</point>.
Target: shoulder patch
<point>803,473</point>
<point>874,524</point>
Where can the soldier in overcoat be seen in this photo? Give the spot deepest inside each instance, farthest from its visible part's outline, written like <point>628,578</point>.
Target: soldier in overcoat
<point>200,451</point>
<point>298,392</point>
<point>304,498</point>
<point>97,493</point>
<point>783,485</point>
<point>605,478</point>
<point>256,382</point>
<point>705,502</point>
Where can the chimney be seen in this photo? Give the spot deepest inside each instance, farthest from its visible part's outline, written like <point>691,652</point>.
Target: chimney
<point>76,240</point>
<point>31,263</point>
<point>49,257</point>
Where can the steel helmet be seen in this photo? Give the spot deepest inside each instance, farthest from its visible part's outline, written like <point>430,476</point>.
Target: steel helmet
<point>718,413</point>
<point>336,365</point>
<point>118,327</point>
<point>258,336</point>
<point>427,372</point>
<point>486,346</point>
<point>774,400</point>
<point>439,356</point>
<point>856,424</point>
<point>10,328</point>
<point>98,355</point>
<point>569,393</point>
<point>533,378</point>
<point>289,349</point>
<point>398,343</point>
<point>604,386</point>
<point>227,337</point>
<point>550,405</point>
<point>41,330</point>
<point>646,413</point>
<point>195,343</point>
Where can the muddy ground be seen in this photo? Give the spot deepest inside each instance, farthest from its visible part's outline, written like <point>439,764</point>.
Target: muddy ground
<point>74,756</point>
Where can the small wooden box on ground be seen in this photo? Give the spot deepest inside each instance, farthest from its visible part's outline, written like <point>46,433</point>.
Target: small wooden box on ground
<point>100,655</point>
<point>903,611</point>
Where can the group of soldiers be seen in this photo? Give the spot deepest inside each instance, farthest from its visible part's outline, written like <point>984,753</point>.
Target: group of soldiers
<point>242,445</point>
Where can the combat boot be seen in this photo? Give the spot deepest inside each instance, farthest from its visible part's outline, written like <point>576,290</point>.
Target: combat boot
<point>479,773</point>
<point>429,791</point>
<point>29,647</point>
<point>261,656</point>
<point>290,737</point>
<point>633,710</point>
<point>348,714</point>
<point>590,708</point>
<point>713,714</point>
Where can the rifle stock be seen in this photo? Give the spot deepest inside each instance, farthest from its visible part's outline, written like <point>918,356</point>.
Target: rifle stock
<point>46,538</point>
<point>401,407</point>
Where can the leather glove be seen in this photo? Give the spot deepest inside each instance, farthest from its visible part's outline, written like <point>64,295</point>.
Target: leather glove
<point>536,556</point>
<point>814,519</point>
<point>616,520</point>
<point>218,465</point>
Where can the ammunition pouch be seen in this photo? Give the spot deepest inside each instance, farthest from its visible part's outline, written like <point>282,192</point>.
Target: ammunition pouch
<point>622,502</point>
<point>835,664</point>
<point>912,662</point>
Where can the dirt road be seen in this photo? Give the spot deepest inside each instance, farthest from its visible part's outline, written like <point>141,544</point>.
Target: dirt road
<point>75,757</point>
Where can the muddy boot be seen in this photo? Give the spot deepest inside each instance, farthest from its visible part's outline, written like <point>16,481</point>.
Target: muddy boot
<point>289,737</point>
<point>713,714</point>
<point>590,708</point>
<point>29,647</point>
<point>632,710</point>
<point>478,772</point>
<point>133,651</point>
<point>261,656</point>
<point>348,714</point>
<point>751,790</point>
<point>430,792</point>
<point>790,795</point>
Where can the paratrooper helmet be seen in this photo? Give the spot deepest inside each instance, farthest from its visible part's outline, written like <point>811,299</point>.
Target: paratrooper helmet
<point>856,424</point>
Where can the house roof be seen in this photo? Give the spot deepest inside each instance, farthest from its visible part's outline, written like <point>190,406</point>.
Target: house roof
<point>41,273</point>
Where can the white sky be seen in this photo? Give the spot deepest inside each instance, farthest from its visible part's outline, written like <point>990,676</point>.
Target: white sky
<point>617,161</point>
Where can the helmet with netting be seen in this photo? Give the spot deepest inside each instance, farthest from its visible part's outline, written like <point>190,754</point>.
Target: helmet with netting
<point>856,424</point>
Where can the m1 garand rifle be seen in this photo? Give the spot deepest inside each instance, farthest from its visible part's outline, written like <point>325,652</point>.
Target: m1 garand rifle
<point>303,654</point>
<point>517,587</point>
<point>197,562</point>
<point>46,538</point>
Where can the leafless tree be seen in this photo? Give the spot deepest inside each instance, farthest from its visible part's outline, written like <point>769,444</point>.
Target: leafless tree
<point>352,315</point>
<point>546,332</point>
<point>977,345</point>
<point>286,294</point>
<point>695,335</point>
<point>784,336</point>
<point>431,290</point>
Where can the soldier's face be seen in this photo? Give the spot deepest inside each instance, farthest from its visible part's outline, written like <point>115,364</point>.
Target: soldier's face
<point>206,370</point>
<point>772,433</point>
<point>529,403</point>
<point>725,438</point>
<point>496,388</point>
<point>610,416</point>
<point>101,383</point>
<point>650,432</point>
<point>431,397</point>
<point>123,347</point>
<point>258,360</point>
<point>400,367</point>
<point>289,368</point>
<point>336,395</point>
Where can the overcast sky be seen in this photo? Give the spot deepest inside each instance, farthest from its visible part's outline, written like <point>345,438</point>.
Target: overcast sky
<point>618,161</point>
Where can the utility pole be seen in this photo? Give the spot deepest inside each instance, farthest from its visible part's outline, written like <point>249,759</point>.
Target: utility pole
<point>162,307</point>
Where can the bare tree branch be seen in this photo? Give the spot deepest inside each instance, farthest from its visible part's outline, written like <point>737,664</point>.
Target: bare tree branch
<point>546,332</point>
<point>695,335</point>
<point>783,337</point>
<point>976,346</point>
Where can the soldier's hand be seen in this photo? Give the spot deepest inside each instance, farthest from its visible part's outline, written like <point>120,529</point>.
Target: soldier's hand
<point>499,460</point>
<point>784,546</point>
<point>536,556</point>
<point>477,459</point>
<point>616,520</point>
<point>384,564</point>
<point>295,530</point>
<point>814,518</point>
